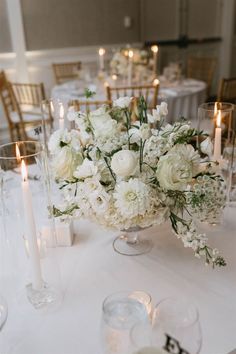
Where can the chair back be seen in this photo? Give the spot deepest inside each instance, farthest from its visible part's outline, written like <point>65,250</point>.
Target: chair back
<point>66,71</point>
<point>201,69</point>
<point>227,91</point>
<point>29,95</point>
<point>149,92</point>
<point>10,105</point>
<point>87,106</point>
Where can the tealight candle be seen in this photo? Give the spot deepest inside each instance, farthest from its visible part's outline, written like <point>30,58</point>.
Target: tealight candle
<point>30,230</point>
<point>154,49</point>
<point>101,53</point>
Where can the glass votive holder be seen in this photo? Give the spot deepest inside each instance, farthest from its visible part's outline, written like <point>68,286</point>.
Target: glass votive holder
<point>215,119</point>
<point>24,200</point>
<point>120,313</point>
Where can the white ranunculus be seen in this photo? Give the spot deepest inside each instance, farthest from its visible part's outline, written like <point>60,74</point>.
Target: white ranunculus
<point>206,146</point>
<point>145,131</point>
<point>99,201</point>
<point>86,169</point>
<point>122,102</point>
<point>177,168</point>
<point>102,123</point>
<point>124,163</point>
<point>64,163</point>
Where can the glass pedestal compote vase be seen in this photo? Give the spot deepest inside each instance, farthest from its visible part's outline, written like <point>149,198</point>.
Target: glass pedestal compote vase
<point>132,242</point>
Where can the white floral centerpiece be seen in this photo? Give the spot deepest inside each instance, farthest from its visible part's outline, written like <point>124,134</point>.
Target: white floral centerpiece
<point>123,173</point>
<point>120,60</point>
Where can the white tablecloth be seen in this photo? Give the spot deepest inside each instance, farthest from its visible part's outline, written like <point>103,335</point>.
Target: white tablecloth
<point>183,97</point>
<point>91,270</point>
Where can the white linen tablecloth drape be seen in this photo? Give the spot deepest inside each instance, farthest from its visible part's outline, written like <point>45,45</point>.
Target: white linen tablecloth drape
<point>91,270</point>
<point>183,98</point>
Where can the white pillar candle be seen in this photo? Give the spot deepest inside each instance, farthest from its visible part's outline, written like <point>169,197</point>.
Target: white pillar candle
<point>217,143</point>
<point>61,117</point>
<point>30,231</point>
<point>130,67</point>
<point>154,49</point>
<point>101,53</point>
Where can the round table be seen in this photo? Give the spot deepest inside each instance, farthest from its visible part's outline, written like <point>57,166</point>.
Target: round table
<point>91,270</point>
<point>183,97</point>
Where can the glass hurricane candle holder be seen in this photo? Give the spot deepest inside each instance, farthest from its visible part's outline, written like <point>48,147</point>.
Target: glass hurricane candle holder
<point>24,197</point>
<point>216,120</point>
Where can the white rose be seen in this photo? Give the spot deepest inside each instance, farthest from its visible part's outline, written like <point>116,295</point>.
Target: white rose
<point>124,163</point>
<point>145,131</point>
<point>173,172</point>
<point>64,163</point>
<point>102,123</point>
<point>176,169</point>
<point>122,102</point>
<point>87,169</point>
<point>206,146</point>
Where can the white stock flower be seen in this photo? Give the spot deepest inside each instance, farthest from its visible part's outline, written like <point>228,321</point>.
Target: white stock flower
<point>86,169</point>
<point>124,163</point>
<point>158,113</point>
<point>206,146</point>
<point>145,131</point>
<point>102,123</point>
<point>176,169</point>
<point>122,102</point>
<point>132,198</point>
<point>64,163</point>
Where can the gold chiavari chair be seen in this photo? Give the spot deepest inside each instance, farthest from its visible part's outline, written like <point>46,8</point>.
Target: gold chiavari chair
<point>66,71</point>
<point>201,69</point>
<point>29,98</point>
<point>227,91</point>
<point>87,106</point>
<point>11,108</point>
<point>149,92</point>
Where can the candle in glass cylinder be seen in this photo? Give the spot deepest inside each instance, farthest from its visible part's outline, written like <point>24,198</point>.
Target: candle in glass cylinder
<point>101,53</point>
<point>130,67</point>
<point>154,49</point>
<point>30,230</point>
<point>61,117</point>
<point>217,143</point>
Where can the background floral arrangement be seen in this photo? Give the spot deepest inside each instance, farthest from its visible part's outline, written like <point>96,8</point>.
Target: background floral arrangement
<point>124,173</point>
<point>120,60</point>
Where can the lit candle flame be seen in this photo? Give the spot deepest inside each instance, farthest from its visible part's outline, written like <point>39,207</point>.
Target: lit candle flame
<point>131,54</point>
<point>114,77</point>
<point>215,109</point>
<point>156,82</point>
<point>61,111</point>
<point>101,51</point>
<point>24,172</point>
<point>154,48</point>
<point>18,157</point>
<point>218,119</point>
